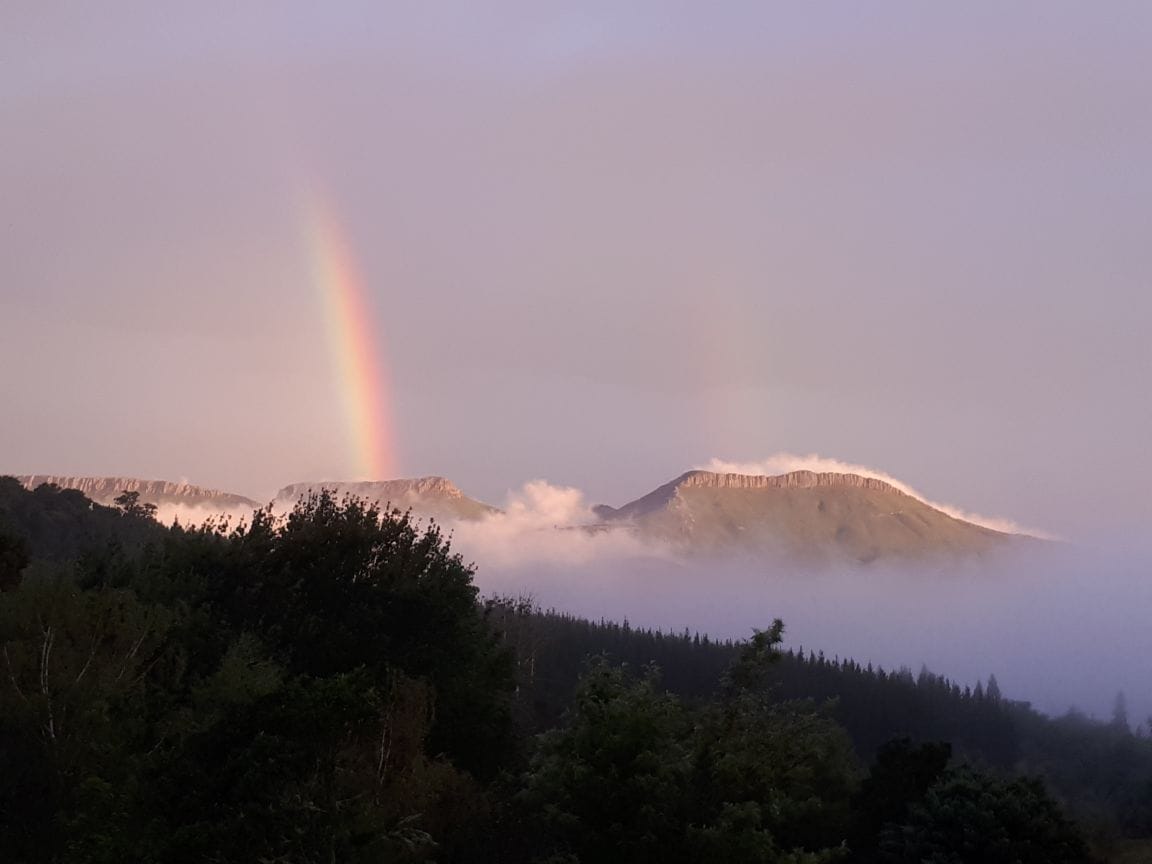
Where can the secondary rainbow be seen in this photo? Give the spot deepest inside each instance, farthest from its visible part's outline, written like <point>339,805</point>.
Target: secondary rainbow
<point>355,339</point>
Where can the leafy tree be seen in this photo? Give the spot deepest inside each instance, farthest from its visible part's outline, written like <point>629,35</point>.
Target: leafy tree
<point>13,559</point>
<point>776,778</point>
<point>77,668</point>
<point>636,776</point>
<point>900,777</point>
<point>340,585</point>
<point>971,818</point>
<point>786,760</point>
<point>129,504</point>
<point>610,786</point>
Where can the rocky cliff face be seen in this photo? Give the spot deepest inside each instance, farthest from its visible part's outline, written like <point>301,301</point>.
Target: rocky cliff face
<point>670,493</point>
<point>104,490</point>
<point>432,487</point>
<point>792,480</point>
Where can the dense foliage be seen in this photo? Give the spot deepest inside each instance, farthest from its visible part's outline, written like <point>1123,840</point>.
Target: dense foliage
<point>1102,770</point>
<point>322,687</point>
<point>328,687</point>
<point>62,524</point>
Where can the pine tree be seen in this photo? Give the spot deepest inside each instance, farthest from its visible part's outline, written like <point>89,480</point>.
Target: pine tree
<point>992,691</point>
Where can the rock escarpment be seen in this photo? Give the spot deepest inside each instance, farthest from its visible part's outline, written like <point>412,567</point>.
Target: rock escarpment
<point>791,480</point>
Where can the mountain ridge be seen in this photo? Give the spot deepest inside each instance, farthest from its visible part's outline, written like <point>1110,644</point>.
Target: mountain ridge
<point>804,515</point>
<point>104,490</point>
<point>808,515</point>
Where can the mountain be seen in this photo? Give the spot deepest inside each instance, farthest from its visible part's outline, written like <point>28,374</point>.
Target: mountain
<point>104,490</point>
<point>425,496</point>
<point>813,517</point>
<point>804,515</point>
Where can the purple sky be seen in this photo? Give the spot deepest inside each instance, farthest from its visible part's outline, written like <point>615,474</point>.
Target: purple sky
<point>606,242</point>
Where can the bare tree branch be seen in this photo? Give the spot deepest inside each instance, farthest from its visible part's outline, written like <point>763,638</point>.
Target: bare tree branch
<point>12,675</point>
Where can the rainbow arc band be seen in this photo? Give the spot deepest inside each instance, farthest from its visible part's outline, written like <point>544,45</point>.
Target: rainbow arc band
<point>356,340</point>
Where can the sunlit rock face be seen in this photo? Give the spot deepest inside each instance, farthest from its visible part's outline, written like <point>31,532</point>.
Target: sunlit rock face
<point>791,480</point>
<point>802,515</point>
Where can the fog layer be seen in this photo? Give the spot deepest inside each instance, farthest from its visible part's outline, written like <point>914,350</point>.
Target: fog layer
<point>1059,625</point>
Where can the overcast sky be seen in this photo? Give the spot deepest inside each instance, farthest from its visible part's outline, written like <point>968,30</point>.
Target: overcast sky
<point>605,242</point>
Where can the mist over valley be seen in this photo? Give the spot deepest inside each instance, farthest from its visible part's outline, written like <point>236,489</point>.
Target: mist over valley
<point>857,567</point>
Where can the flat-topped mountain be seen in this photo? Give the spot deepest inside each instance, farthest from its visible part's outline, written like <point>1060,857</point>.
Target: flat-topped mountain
<point>426,496</point>
<point>803,514</point>
<point>104,490</point>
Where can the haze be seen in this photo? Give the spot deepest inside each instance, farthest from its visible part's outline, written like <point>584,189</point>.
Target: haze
<point>1059,626</point>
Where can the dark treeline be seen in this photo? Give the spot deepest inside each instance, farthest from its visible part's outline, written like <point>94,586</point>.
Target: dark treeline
<point>329,687</point>
<point>1102,770</point>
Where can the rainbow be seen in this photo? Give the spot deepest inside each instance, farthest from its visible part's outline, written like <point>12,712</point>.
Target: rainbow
<point>356,345</point>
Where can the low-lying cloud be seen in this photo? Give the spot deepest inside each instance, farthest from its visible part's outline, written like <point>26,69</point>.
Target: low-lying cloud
<point>1059,626</point>
<point>190,515</point>
<point>543,527</point>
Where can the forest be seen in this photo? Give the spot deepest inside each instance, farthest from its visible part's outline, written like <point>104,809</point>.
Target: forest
<point>330,686</point>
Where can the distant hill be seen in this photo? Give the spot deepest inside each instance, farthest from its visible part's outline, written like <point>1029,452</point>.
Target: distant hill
<point>104,490</point>
<point>426,496</point>
<point>803,514</point>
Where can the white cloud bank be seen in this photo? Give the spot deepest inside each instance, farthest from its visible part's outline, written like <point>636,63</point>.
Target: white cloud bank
<point>543,526</point>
